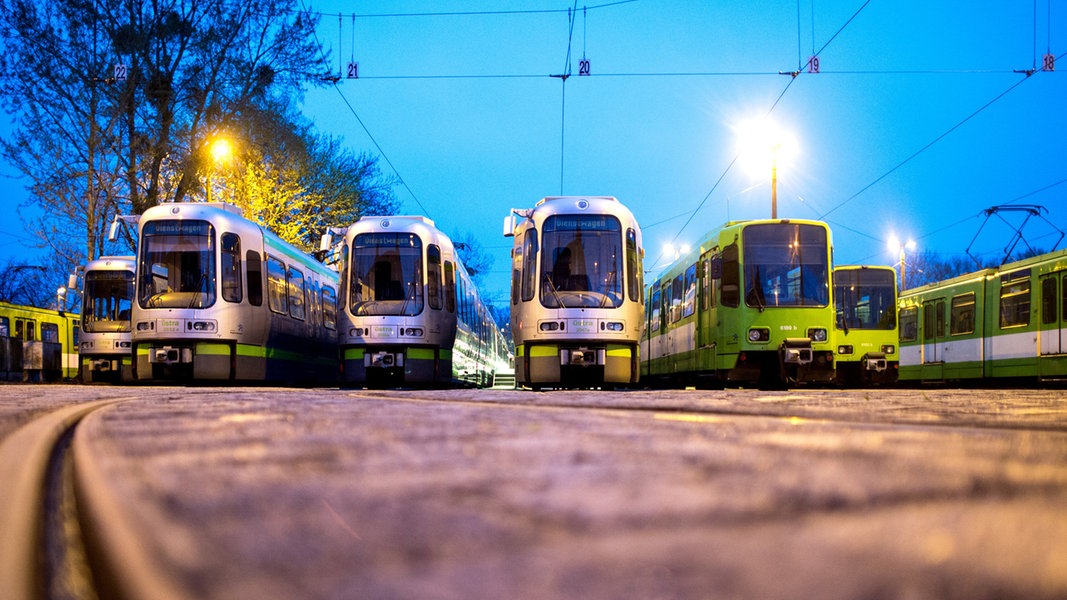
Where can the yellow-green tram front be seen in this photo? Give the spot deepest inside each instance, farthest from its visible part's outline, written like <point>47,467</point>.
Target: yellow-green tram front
<point>865,329</point>
<point>750,305</point>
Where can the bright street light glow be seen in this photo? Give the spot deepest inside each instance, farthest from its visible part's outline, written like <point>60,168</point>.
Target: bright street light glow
<point>221,149</point>
<point>764,145</point>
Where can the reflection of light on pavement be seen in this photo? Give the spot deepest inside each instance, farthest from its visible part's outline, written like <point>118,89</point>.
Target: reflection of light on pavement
<point>689,418</point>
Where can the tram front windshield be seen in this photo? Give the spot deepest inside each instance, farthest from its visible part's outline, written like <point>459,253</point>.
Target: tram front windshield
<point>108,296</point>
<point>177,268</point>
<point>786,264</point>
<point>386,274</point>
<point>581,262</point>
<point>865,299</point>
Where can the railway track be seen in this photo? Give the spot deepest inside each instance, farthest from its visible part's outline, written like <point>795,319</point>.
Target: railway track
<point>65,536</point>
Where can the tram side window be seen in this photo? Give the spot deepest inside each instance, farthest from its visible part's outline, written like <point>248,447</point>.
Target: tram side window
<point>329,307</point>
<point>254,267</point>
<point>433,276</point>
<point>296,293</point>
<point>529,265</point>
<point>1015,304</point>
<point>5,327</point>
<point>731,277</point>
<point>26,329</point>
<point>50,333</point>
<point>653,307</point>
<point>1048,301</point>
<point>450,287</point>
<point>231,267</point>
<point>961,321</point>
<point>909,324</point>
<point>690,294</point>
<point>933,320</point>
<point>277,292</point>
<point>633,266</point>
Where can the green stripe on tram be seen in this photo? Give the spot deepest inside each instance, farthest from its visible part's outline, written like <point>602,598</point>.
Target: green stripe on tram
<point>543,351</point>
<point>420,354</point>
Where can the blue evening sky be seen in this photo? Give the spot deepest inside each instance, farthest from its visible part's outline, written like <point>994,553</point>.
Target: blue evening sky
<point>916,123</point>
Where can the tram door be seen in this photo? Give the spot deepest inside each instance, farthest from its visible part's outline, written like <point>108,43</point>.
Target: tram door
<point>933,339</point>
<point>1052,326</point>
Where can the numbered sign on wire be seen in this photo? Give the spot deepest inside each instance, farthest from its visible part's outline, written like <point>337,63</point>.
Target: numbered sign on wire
<point>120,73</point>
<point>353,70</point>
<point>583,67</point>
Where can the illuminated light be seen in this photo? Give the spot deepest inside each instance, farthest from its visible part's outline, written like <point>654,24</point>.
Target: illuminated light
<point>817,334</point>
<point>844,349</point>
<point>549,326</point>
<point>615,326</point>
<point>759,334</point>
<point>889,349</point>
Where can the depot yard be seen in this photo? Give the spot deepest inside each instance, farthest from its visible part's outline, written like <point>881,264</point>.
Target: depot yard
<point>327,493</point>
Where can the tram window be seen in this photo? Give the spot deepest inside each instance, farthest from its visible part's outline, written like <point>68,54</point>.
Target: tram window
<point>231,267</point>
<point>296,293</point>
<point>909,324</point>
<point>690,292</point>
<point>342,284</point>
<point>654,310</point>
<point>450,287</point>
<point>633,266</point>
<point>1048,301</point>
<point>433,276</point>
<point>5,327</point>
<point>1015,304</point>
<point>254,267</point>
<point>1063,299</point>
<point>277,292</point>
<point>962,317</point>
<point>529,265</point>
<point>50,333</point>
<point>731,277</point>
<point>933,319</point>
<point>329,307</point>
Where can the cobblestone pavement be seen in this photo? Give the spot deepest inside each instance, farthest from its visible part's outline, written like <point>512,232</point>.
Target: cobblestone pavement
<point>270,493</point>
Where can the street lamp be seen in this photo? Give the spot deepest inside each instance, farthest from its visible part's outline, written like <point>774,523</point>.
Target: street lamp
<point>220,149</point>
<point>895,245</point>
<point>764,142</point>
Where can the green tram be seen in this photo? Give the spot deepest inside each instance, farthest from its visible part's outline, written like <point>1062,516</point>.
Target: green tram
<point>751,305</point>
<point>38,344</point>
<point>998,323</point>
<point>865,330</point>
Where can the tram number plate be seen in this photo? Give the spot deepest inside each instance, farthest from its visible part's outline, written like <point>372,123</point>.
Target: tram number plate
<point>582,326</point>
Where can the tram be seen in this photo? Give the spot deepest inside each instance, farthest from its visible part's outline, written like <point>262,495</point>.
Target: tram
<point>38,344</point>
<point>997,324</point>
<point>220,298</point>
<point>409,313</point>
<point>107,299</point>
<point>750,305</point>
<point>865,330</point>
<point>576,293</point>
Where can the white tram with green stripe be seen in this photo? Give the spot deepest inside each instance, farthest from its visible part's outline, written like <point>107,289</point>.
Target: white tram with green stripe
<point>220,298</point>
<point>576,293</point>
<point>997,324</point>
<point>410,314</point>
<point>107,301</point>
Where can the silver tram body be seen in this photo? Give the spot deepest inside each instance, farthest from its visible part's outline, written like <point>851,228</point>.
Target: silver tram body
<point>220,298</point>
<point>409,313</point>
<point>577,296</point>
<point>107,299</point>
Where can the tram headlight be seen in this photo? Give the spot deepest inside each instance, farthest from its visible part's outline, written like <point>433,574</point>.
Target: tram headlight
<point>613,326</point>
<point>889,348</point>
<point>759,334</point>
<point>844,350</point>
<point>146,326</point>
<point>817,334</point>
<point>412,331</point>
<point>549,326</point>
<point>201,326</point>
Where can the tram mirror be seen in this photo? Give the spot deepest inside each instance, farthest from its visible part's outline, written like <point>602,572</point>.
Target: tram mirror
<point>113,233</point>
<point>72,281</point>
<point>326,241</point>
<point>716,268</point>
<point>509,225</point>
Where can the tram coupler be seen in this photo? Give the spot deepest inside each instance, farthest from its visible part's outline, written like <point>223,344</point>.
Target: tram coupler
<point>796,351</point>
<point>874,361</point>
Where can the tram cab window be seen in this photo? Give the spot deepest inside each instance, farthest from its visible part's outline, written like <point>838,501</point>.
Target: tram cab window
<point>529,265</point>
<point>634,285</point>
<point>177,268</point>
<point>730,292</point>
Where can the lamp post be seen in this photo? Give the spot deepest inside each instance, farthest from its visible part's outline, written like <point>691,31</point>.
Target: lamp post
<point>220,149</point>
<point>765,142</point>
<point>895,245</point>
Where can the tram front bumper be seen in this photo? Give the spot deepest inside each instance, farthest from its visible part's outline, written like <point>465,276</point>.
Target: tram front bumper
<point>796,351</point>
<point>170,355</point>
